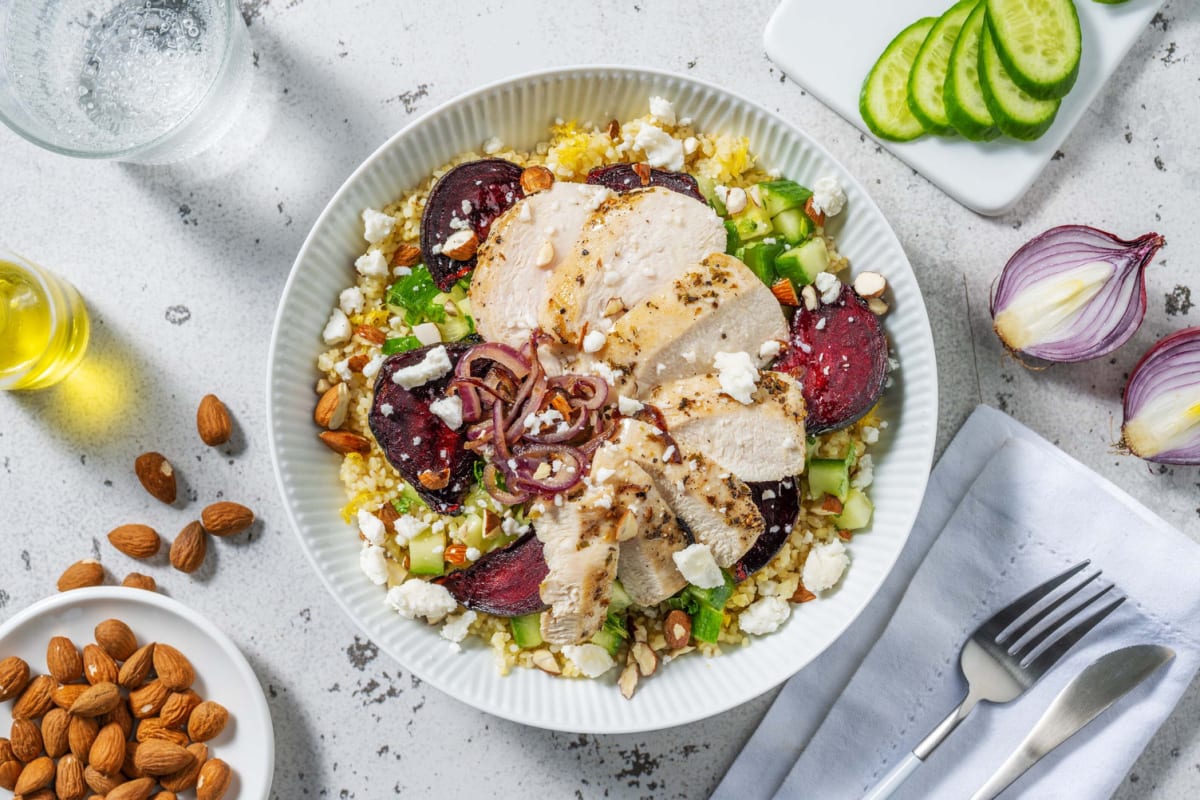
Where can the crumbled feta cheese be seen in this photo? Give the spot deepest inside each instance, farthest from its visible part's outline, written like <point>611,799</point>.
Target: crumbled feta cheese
<point>342,368</point>
<point>337,330</point>
<point>829,196</point>
<point>473,554</point>
<point>661,148</point>
<point>698,567</point>
<point>417,598</point>
<point>821,324</point>
<point>372,264</point>
<point>865,475</point>
<point>690,144</point>
<point>602,474</point>
<point>511,527</point>
<point>870,435</point>
<point>824,566</point>
<point>351,300</point>
<point>628,406</point>
<point>449,410</point>
<point>493,145</point>
<point>592,659</point>
<point>371,368</point>
<point>467,207</point>
<point>373,564</point>
<point>407,527</point>
<point>457,628</point>
<point>427,333</point>
<point>386,409</point>
<point>764,615</point>
<point>829,286</point>
<point>662,110</point>
<point>534,423</point>
<point>434,365</point>
<point>376,225</point>
<point>770,348</point>
<point>594,341</point>
<point>737,375</point>
<point>371,527</point>
<point>402,272</point>
<point>735,200</point>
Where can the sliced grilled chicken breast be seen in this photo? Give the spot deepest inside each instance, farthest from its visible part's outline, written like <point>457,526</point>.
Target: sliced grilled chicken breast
<point>631,246</point>
<point>580,547</point>
<point>763,441</point>
<point>715,305</point>
<point>524,247</point>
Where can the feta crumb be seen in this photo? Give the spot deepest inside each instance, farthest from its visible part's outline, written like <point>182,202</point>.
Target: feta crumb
<point>865,475</point>
<point>662,110</point>
<point>371,527</point>
<point>698,567</point>
<point>427,333</point>
<point>690,144</point>
<point>337,330</point>
<point>372,264</point>
<point>493,145</point>
<point>371,368</point>
<point>829,286</point>
<point>735,200</point>
<point>473,554</point>
<point>628,406</point>
<point>534,423</point>
<point>769,494</point>
<point>592,659</point>
<point>737,375</point>
<point>829,196</point>
<point>373,564</point>
<point>417,598</point>
<point>376,225</point>
<point>342,368</point>
<point>821,323</point>
<point>449,410</point>
<point>435,364</point>
<point>602,474</point>
<point>402,272</point>
<point>351,300</point>
<point>594,341</point>
<point>407,527</point>
<point>386,409</point>
<point>661,148</point>
<point>824,566</point>
<point>457,628</point>
<point>870,435</point>
<point>770,348</point>
<point>765,615</point>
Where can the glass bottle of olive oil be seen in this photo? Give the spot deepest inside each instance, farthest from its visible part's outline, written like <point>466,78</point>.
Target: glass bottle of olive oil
<point>43,325</point>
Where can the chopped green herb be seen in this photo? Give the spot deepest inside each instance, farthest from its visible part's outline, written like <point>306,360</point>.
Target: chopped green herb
<point>414,294</point>
<point>401,344</point>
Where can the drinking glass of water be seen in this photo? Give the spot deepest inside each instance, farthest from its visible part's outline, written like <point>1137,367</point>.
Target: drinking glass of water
<point>150,81</point>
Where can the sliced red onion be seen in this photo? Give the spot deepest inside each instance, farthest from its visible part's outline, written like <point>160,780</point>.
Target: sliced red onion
<point>1162,401</point>
<point>1072,293</point>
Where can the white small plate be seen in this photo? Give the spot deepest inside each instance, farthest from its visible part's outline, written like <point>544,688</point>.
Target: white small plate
<point>830,54</point>
<point>222,674</point>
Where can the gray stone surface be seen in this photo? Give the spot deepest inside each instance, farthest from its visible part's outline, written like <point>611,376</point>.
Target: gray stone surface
<point>182,266</point>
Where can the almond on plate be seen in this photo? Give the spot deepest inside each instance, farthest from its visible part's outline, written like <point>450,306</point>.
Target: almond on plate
<point>345,442</point>
<point>97,699</point>
<point>98,666</point>
<point>173,668</point>
<point>116,639</point>
<point>207,721</point>
<point>107,753</point>
<point>160,757</point>
<point>55,727</point>
<point>25,738</point>
<point>225,518</point>
<point>332,407</point>
<point>212,421</point>
<point>38,774</point>
<point>14,676</point>
<point>87,572</point>
<point>214,780</point>
<point>68,783</point>
<point>63,660</point>
<point>156,475</point>
<point>137,667</point>
<point>135,541</point>
<point>36,700</point>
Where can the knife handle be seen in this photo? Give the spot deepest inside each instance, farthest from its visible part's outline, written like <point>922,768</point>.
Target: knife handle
<point>898,775</point>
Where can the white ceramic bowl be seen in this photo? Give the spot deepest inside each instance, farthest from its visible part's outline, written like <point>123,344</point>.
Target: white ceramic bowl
<point>222,674</point>
<point>519,111</point>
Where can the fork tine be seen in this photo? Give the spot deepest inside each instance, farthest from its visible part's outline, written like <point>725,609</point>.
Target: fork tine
<point>1017,633</point>
<point>1056,626</point>
<point>1058,649</point>
<point>1006,616</point>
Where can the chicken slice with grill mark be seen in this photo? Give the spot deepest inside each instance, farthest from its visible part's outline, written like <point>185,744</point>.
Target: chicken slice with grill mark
<point>579,543</point>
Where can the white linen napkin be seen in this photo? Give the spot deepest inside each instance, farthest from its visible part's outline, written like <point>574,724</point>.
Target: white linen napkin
<point>1013,510</point>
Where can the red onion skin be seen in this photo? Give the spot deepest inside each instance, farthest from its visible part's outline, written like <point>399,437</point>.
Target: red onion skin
<point>1159,369</point>
<point>1045,255</point>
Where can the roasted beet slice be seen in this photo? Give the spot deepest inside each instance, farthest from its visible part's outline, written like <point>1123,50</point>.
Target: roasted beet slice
<point>779,502</point>
<point>476,193</point>
<point>504,582</point>
<point>426,452</point>
<point>622,178</point>
<point>839,354</point>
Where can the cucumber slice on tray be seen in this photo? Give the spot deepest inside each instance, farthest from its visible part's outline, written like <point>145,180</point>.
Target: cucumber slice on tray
<point>966,107</point>
<point>883,102</point>
<point>1039,42</point>
<point>927,80</point>
<point>1017,114</point>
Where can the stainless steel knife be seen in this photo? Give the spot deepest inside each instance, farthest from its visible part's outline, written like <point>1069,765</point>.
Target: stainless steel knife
<point>1102,683</point>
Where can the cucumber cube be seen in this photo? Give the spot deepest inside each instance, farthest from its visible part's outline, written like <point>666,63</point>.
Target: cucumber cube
<point>828,476</point>
<point>620,599</point>
<point>803,264</point>
<point>752,223</point>
<point>760,258</point>
<point>793,225</point>
<point>426,554</point>
<point>527,629</point>
<point>856,511</point>
<point>779,196</point>
<point>733,239</point>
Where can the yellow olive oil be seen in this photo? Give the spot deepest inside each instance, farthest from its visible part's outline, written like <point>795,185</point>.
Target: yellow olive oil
<point>43,325</point>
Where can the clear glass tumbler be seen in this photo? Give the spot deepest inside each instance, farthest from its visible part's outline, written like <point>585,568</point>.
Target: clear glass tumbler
<point>44,325</point>
<point>150,81</point>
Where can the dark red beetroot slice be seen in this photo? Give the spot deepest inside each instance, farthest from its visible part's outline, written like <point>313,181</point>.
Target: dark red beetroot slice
<point>415,440</point>
<point>622,178</point>
<point>841,363</point>
<point>490,186</point>
<point>504,582</point>
<point>779,502</point>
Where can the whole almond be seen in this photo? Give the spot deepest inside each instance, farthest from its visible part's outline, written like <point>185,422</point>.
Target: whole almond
<point>173,668</point>
<point>87,572</point>
<point>157,476</point>
<point>116,639</point>
<point>160,757</point>
<point>55,726</point>
<point>178,708</point>
<point>371,334</point>
<point>68,784</point>
<point>186,778</point>
<point>101,782</point>
<point>136,789</point>
<point>155,728</point>
<point>135,541</point>
<point>81,735</point>
<point>64,696</point>
<point>406,255</point>
<point>96,700</point>
<point>6,752</point>
<point>108,751</point>
<point>331,408</point>
<point>14,677</point>
<point>207,721</point>
<point>37,699</point>
<point>63,660</point>
<point>98,666</point>
<point>10,770</point>
<point>225,518</point>
<point>677,628</point>
<point>345,442</point>
<point>137,667</point>
<point>214,780</point>
<point>26,739</point>
<point>212,421</point>
<point>148,700</point>
<point>38,774</point>
<point>137,580</point>
<point>189,548</point>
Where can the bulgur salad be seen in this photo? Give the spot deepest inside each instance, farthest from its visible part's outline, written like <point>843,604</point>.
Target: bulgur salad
<point>606,402</point>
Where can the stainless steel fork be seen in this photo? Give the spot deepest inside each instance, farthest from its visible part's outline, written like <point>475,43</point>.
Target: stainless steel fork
<point>1009,653</point>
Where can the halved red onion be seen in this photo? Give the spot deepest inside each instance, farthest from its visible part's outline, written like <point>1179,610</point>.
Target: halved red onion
<point>1162,401</point>
<point>1073,293</point>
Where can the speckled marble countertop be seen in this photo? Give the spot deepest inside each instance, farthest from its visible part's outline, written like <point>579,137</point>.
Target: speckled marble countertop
<point>182,266</point>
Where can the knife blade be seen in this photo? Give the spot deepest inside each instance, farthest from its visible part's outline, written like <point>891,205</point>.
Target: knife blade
<point>1102,683</point>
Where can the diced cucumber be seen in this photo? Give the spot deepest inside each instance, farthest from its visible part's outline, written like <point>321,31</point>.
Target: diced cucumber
<point>1039,42</point>
<point>612,634</point>
<point>966,107</point>
<point>830,476</point>
<point>793,225</point>
<point>780,195</point>
<point>883,101</point>
<point>856,511</point>
<point>733,239</point>
<point>760,258</point>
<point>708,188</point>
<point>526,630</point>
<point>802,264</point>
<point>472,531</point>
<point>459,326</point>
<point>927,81</point>
<point>751,223</point>
<point>1017,114</point>
<point>620,599</point>
<point>408,500</point>
<point>400,344</point>
<point>426,554</point>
